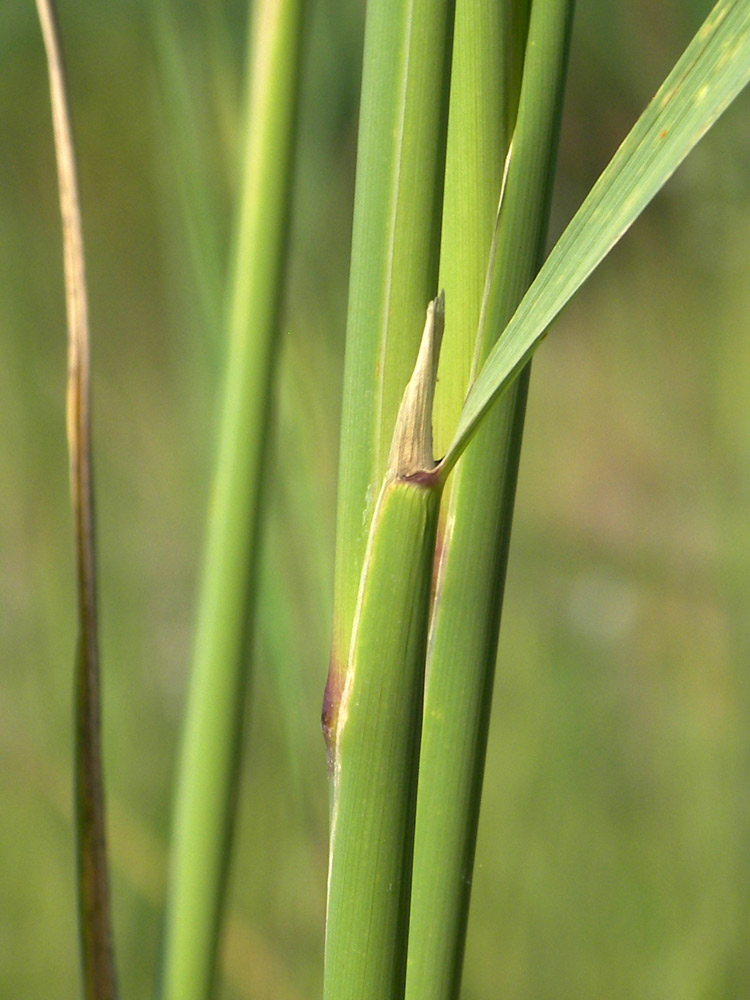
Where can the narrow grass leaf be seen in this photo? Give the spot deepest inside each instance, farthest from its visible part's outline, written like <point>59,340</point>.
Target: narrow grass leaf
<point>99,980</point>
<point>711,73</point>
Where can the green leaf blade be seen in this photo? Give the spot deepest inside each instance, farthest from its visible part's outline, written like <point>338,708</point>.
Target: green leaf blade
<point>711,73</point>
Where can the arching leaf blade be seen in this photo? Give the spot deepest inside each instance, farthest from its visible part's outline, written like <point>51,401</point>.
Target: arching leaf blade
<point>711,73</point>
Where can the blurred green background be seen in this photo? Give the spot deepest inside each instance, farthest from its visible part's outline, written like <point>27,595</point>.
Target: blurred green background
<point>614,853</point>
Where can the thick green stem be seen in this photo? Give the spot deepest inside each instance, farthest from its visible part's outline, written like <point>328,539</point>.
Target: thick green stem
<point>476,525</point>
<point>394,263</point>
<point>395,248</point>
<point>375,754</point>
<point>372,714</point>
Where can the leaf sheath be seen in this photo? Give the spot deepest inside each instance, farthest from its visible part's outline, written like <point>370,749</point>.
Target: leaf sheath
<point>372,720</point>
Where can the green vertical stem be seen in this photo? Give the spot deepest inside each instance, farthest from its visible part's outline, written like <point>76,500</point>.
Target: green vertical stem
<point>204,808</point>
<point>394,261</point>
<point>488,49</point>
<point>394,268</point>
<point>376,753</point>
<point>372,722</point>
<point>475,529</point>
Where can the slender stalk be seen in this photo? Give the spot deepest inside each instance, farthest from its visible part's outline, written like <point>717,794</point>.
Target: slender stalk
<point>488,51</point>
<point>204,808</point>
<point>372,724</point>
<point>476,523</point>
<point>99,980</point>
<point>395,246</point>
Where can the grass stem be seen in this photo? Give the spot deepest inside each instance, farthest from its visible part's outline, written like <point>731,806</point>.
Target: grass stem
<point>206,790</point>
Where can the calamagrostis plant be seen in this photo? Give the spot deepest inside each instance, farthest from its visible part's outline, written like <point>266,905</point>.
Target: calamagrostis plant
<point>460,113</point>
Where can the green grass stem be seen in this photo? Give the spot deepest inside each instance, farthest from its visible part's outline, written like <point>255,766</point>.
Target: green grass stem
<point>394,269</point>
<point>489,42</point>
<point>204,810</point>
<point>373,720</point>
<point>475,527</point>
<point>394,260</point>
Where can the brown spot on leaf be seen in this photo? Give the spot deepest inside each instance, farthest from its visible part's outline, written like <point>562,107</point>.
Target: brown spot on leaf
<point>329,715</point>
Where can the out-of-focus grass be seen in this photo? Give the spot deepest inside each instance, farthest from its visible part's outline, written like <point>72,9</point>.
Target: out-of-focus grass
<point>613,846</point>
